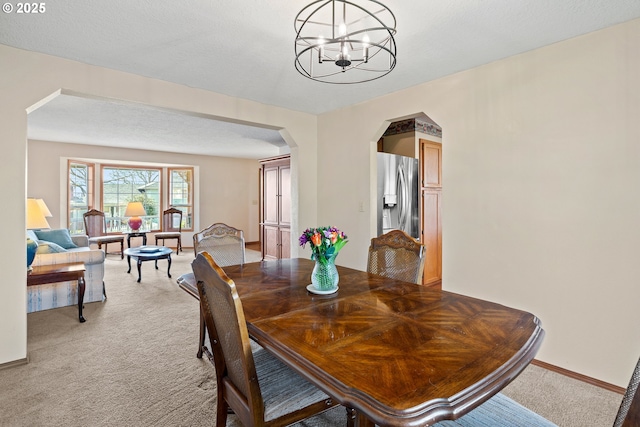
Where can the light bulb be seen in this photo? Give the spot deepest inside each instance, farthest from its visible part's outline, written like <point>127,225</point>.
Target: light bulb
<point>342,29</point>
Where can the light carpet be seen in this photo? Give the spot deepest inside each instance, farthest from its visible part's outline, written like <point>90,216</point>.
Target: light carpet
<point>133,363</point>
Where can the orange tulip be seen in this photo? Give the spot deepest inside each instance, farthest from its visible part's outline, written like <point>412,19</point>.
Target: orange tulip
<point>334,237</point>
<point>316,239</point>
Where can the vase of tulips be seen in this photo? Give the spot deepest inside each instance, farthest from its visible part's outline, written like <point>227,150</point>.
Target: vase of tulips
<point>325,243</point>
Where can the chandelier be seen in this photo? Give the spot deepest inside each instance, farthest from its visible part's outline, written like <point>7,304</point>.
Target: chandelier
<point>343,42</point>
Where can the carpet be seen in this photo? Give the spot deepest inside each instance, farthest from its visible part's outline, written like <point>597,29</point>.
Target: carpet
<point>133,363</point>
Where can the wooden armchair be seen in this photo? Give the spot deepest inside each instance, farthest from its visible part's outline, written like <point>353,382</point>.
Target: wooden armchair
<point>258,387</point>
<point>171,227</point>
<point>95,226</point>
<point>396,255</point>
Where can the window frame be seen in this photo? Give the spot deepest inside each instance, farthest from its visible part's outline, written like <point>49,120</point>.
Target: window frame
<point>91,172</point>
<point>181,206</point>
<point>95,193</point>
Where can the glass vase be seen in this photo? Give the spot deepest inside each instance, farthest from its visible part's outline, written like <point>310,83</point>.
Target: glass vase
<point>324,276</point>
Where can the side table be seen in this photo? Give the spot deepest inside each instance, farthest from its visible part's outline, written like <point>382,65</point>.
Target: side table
<point>131,234</point>
<point>44,274</point>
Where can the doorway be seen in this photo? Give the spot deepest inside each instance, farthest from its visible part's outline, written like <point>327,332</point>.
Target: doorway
<point>421,138</point>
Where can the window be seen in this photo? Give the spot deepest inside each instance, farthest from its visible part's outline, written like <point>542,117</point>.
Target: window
<point>80,194</point>
<point>181,194</point>
<point>121,185</point>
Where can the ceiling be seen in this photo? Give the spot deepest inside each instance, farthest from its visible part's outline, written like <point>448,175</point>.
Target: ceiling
<point>245,49</point>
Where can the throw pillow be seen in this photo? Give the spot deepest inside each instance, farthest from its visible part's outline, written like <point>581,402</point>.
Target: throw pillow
<point>31,235</point>
<point>45,247</point>
<point>60,237</point>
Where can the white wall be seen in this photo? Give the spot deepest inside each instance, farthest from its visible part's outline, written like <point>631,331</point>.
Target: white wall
<point>225,188</point>
<point>541,199</point>
<point>27,77</point>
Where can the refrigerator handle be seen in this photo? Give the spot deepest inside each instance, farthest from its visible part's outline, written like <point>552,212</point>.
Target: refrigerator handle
<point>403,203</point>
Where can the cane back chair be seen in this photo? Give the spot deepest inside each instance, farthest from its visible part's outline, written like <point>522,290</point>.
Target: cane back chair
<point>223,242</point>
<point>396,255</point>
<point>95,226</point>
<point>171,227</point>
<point>226,245</point>
<point>279,396</point>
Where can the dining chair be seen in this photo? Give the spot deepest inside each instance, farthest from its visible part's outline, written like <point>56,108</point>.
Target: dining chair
<point>171,227</point>
<point>260,389</point>
<point>501,411</point>
<point>226,245</point>
<point>223,242</point>
<point>95,226</point>
<point>396,255</point>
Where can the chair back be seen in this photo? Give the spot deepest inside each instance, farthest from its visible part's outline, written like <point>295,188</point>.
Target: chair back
<point>224,243</point>
<point>95,223</point>
<point>232,356</point>
<point>172,220</point>
<point>629,412</point>
<point>396,255</point>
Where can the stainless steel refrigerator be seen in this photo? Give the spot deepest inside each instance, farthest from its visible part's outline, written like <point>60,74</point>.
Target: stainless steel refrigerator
<point>398,194</point>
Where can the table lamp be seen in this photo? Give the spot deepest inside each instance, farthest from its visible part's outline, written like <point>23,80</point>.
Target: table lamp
<point>43,207</point>
<point>134,211</point>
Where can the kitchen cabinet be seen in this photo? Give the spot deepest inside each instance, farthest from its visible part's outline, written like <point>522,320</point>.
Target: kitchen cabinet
<point>431,193</point>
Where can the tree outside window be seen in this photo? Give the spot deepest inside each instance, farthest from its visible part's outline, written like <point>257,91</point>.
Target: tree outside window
<point>181,194</point>
<point>80,194</point>
<point>122,185</point>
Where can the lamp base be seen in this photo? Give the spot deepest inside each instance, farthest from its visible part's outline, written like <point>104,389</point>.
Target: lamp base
<point>135,222</point>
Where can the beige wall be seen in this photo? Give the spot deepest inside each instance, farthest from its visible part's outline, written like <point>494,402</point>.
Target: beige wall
<point>225,188</point>
<point>541,200</point>
<point>541,171</point>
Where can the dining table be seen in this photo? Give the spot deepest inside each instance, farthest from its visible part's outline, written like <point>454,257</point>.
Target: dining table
<point>394,353</point>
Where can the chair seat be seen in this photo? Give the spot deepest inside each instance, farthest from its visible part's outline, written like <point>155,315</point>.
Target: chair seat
<point>106,239</point>
<point>167,235</point>
<point>499,411</point>
<point>283,391</point>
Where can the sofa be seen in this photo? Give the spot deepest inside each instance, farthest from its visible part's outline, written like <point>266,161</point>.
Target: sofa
<point>44,297</point>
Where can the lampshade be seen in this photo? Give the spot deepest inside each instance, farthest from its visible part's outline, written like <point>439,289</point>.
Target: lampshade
<point>43,207</point>
<point>134,211</point>
<point>35,217</point>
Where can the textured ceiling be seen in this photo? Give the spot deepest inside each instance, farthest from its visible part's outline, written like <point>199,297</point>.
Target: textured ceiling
<point>245,48</point>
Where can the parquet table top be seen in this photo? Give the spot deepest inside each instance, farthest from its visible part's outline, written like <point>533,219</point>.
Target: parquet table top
<point>398,353</point>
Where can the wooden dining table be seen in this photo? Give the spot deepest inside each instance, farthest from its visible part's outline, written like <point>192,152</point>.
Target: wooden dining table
<point>395,353</point>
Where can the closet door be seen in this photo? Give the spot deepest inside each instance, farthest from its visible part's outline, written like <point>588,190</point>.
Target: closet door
<point>276,208</point>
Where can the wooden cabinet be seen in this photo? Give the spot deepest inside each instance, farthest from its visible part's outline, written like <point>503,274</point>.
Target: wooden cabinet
<point>275,209</point>
<point>431,192</point>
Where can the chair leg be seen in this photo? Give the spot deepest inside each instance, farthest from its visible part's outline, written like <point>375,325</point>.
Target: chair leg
<point>351,417</point>
<point>202,336</point>
<point>122,249</point>
<point>104,290</point>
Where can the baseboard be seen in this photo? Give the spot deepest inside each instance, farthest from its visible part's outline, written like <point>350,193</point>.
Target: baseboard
<point>579,377</point>
<point>14,363</point>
